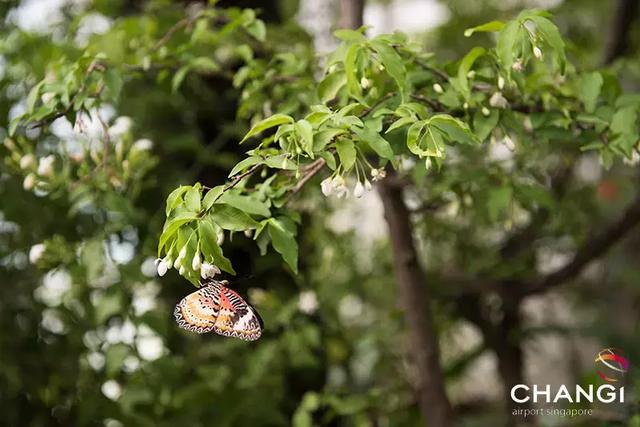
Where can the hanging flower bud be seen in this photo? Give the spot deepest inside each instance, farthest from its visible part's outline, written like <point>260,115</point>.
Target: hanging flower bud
<point>181,270</point>
<point>367,185</point>
<point>220,239</point>
<point>35,253</point>
<point>162,267</point>
<point>427,163</point>
<point>485,112</point>
<point>195,263</point>
<point>183,253</point>
<point>358,191</point>
<point>518,65</point>
<point>500,82</point>
<point>29,182</point>
<point>45,165</point>
<point>498,101</point>
<point>537,52</point>
<point>437,88</point>
<point>508,142</point>
<point>327,187</point>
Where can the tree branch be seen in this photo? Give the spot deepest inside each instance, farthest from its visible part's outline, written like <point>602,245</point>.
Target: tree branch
<point>593,248</point>
<point>618,39</point>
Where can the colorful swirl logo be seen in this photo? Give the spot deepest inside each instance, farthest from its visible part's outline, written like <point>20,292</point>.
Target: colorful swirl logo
<point>611,365</point>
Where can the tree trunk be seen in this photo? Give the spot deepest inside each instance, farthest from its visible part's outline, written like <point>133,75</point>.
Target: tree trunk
<point>414,296</point>
<point>618,40</point>
<point>351,14</point>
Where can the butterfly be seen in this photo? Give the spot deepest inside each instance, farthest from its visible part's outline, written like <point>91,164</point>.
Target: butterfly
<point>214,307</point>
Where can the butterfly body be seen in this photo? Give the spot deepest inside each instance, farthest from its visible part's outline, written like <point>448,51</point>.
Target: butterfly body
<point>214,307</point>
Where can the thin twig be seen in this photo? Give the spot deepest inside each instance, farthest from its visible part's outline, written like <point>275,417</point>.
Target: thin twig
<point>236,179</point>
<point>314,167</point>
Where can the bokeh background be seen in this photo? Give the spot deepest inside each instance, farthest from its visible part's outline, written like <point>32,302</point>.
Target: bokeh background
<point>87,336</point>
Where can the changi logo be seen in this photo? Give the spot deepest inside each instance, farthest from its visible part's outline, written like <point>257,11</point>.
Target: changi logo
<point>610,365</point>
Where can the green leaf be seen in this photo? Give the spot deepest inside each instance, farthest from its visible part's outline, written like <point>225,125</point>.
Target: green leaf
<point>175,198</point>
<point>624,121</point>
<point>33,97</point>
<point>269,122</point>
<point>349,35</point>
<point>489,27</point>
<point>553,39</point>
<point>351,71</point>
<point>505,45</point>
<point>211,197</point>
<point>192,199</point>
<point>204,64</point>
<point>178,77</point>
<point>305,131</point>
<point>483,125</point>
<point>376,142</point>
<point>209,246</point>
<point>281,161</point>
<point>330,159</point>
<point>393,64</point>
<point>244,164</point>
<point>455,129</point>
<point>329,87</point>
<point>248,204</point>
<point>465,67</point>
<point>284,242</point>
<point>172,226</point>
<point>401,122</point>
<point>346,152</point>
<point>414,136</point>
<point>113,81</point>
<point>590,86</point>
<point>324,137</point>
<point>258,30</point>
<point>230,218</point>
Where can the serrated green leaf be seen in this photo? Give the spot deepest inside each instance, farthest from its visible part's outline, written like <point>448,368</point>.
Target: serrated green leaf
<point>230,218</point>
<point>590,86</point>
<point>376,142</point>
<point>284,242</point>
<point>324,137</point>
<point>248,204</point>
<point>346,152</point>
<point>269,122</point>
<point>490,27</point>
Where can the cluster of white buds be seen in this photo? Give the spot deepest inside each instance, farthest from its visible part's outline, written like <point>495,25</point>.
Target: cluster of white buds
<point>207,270</point>
<point>338,187</point>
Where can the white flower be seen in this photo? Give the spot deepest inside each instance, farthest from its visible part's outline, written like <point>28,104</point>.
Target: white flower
<point>537,52</point>
<point>365,82</point>
<point>208,271</point>
<point>121,126</point>
<point>142,144</point>
<point>220,239</point>
<point>9,144</point>
<point>47,96</point>
<point>181,270</point>
<point>27,161</point>
<point>111,389</point>
<point>177,263</point>
<point>471,74</point>
<point>327,187</point>
<point>518,65</point>
<point>308,302</point>
<point>465,105</point>
<point>340,187</point>
<point>526,123</point>
<point>45,165</point>
<point>367,185</point>
<point>358,191</point>
<point>485,112</point>
<point>29,182</point>
<point>162,266</point>
<point>498,101</point>
<point>35,253</point>
<point>437,88</point>
<point>378,174</point>
<point>195,264</point>
<point>248,233</point>
<point>427,163</point>
<point>500,82</point>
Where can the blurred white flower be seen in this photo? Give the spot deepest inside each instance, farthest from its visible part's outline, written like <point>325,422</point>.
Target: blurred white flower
<point>358,191</point>
<point>111,389</point>
<point>365,83</point>
<point>428,163</point>
<point>27,161</point>
<point>195,263</point>
<point>35,253</point>
<point>208,271</point>
<point>378,174</point>
<point>47,96</point>
<point>248,233</point>
<point>29,182</point>
<point>120,332</point>
<point>527,125</point>
<point>350,308</point>
<point>485,112</point>
<point>149,344</point>
<point>144,297</point>
<point>142,144</point>
<point>634,160</point>
<point>518,65</point>
<point>367,185</point>
<point>537,52</point>
<point>437,88</point>
<point>500,82</point>
<point>340,187</point>
<point>121,126</point>
<point>96,360</point>
<point>508,142</point>
<point>308,302</point>
<point>45,165</point>
<point>52,322</point>
<point>220,239</point>
<point>131,364</point>
<point>55,285</point>
<point>162,267</point>
<point>498,101</point>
